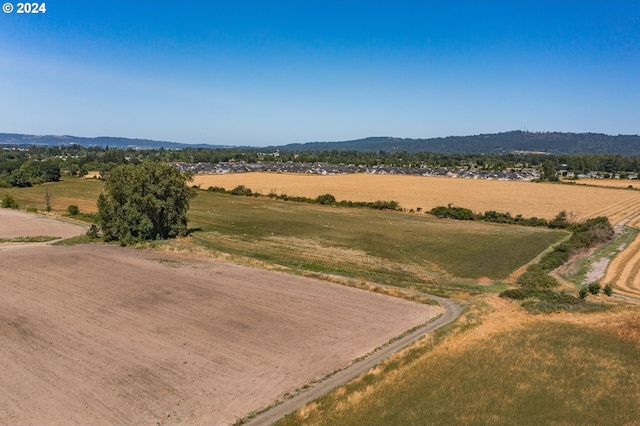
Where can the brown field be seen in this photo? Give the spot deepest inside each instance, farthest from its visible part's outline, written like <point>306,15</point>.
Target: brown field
<point>106,335</point>
<point>526,198</point>
<point>14,224</point>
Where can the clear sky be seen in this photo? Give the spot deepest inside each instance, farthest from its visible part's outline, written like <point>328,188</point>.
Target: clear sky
<point>275,72</point>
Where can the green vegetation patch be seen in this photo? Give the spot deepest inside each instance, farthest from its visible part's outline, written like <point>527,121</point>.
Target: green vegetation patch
<point>544,373</point>
<point>546,301</point>
<point>382,246</point>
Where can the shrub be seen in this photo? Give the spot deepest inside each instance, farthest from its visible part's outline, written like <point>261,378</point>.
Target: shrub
<point>8,202</point>
<point>73,210</point>
<point>459,213</point>
<point>583,293</point>
<point>560,221</point>
<point>325,199</point>
<point>241,190</point>
<point>92,232</point>
<point>608,289</point>
<point>217,189</point>
<point>594,288</point>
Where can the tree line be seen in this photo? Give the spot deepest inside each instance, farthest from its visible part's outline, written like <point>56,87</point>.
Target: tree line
<point>24,166</point>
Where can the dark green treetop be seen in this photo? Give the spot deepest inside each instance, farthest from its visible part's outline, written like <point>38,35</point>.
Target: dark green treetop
<point>144,202</point>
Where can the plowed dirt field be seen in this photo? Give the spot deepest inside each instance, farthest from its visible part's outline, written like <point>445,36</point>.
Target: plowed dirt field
<point>101,334</point>
<point>15,224</point>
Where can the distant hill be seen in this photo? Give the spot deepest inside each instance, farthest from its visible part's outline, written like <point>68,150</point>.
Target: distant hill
<point>102,141</point>
<point>498,143</point>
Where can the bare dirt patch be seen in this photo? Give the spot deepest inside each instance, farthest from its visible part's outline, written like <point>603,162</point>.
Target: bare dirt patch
<point>112,335</point>
<point>14,224</point>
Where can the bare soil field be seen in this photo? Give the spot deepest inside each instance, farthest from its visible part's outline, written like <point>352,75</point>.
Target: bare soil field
<point>15,224</point>
<point>106,335</point>
<point>526,198</point>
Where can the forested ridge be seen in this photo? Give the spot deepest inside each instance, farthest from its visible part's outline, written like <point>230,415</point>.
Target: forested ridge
<point>488,144</point>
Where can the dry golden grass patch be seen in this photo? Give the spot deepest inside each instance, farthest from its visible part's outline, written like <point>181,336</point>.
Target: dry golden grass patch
<point>526,198</point>
<point>500,365</point>
<point>611,183</point>
<point>624,270</point>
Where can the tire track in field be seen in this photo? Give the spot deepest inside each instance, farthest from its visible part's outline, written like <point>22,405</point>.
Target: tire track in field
<point>623,270</point>
<point>621,210</point>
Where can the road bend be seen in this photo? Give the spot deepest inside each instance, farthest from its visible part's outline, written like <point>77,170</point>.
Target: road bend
<point>452,311</point>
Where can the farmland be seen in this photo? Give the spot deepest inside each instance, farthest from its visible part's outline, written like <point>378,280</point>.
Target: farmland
<point>102,334</point>
<point>520,368</point>
<point>412,192</point>
<point>499,366</point>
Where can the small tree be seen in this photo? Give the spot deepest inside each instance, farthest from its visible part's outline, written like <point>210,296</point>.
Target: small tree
<point>594,288</point>
<point>73,210</point>
<point>48,195</point>
<point>144,202</point>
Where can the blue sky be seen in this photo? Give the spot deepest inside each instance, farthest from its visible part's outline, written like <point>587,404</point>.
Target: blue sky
<point>275,72</point>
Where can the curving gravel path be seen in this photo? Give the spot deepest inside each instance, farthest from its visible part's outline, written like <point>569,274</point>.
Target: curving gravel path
<point>451,311</point>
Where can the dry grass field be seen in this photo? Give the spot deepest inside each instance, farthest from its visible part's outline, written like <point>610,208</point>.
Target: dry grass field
<point>624,270</point>
<point>610,183</point>
<point>526,198</point>
<point>498,365</point>
<point>107,335</point>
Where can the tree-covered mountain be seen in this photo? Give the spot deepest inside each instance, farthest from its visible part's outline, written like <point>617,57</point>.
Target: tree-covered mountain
<point>101,141</point>
<point>497,143</point>
<point>488,144</point>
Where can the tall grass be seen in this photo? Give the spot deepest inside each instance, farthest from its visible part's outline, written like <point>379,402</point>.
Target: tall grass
<point>547,372</point>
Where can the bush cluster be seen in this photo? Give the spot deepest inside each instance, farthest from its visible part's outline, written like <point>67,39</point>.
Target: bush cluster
<point>546,301</point>
<point>585,235</point>
<point>540,294</point>
<point>461,213</point>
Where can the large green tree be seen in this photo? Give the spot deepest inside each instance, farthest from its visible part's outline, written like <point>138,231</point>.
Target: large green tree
<point>144,202</point>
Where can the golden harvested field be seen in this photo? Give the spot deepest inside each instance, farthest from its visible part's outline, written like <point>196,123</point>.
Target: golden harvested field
<point>526,198</point>
<point>611,183</point>
<point>623,271</point>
